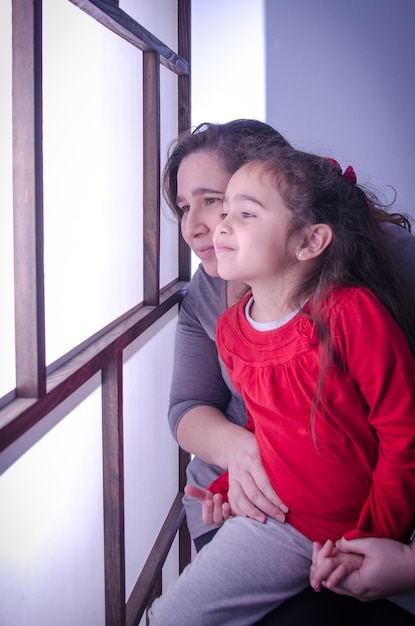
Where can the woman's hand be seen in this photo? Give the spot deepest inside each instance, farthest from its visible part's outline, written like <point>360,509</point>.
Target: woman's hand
<point>250,491</point>
<point>387,568</point>
<point>214,510</point>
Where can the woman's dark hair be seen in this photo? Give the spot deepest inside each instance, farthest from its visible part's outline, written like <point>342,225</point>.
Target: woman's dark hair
<point>315,191</point>
<point>231,141</point>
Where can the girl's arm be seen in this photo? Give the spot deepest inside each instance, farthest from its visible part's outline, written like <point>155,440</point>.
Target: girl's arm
<point>383,368</point>
<point>214,509</point>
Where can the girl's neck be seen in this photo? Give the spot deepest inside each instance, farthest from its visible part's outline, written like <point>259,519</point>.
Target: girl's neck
<point>270,312</point>
<point>273,293</point>
<point>269,305</point>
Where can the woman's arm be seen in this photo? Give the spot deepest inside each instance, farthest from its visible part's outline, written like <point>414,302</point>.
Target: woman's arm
<point>206,432</point>
<point>388,568</point>
<point>206,415</point>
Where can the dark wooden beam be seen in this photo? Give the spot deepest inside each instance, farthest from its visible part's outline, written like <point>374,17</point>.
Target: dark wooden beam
<point>142,592</point>
<point>21,414</point>
<point>122,24</point>
<point>28,198</point>
<point>151,181</point>
<point>113,478</point>
<point>184,113</point>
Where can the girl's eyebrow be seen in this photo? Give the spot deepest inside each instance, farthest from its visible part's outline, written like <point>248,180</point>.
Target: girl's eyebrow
<point>200,191</point>
<point>241,197</point>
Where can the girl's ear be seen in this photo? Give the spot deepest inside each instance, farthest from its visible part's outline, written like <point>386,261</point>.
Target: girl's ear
<point>318,238</point>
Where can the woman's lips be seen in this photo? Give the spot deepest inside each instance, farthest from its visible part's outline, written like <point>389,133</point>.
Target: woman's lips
<point>205,252</point>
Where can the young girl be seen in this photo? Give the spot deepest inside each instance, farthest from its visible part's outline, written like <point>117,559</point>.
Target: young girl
<point>327,377</point>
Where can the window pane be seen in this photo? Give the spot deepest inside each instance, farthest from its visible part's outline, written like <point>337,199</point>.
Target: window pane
<point>169,239</point>
<point>148,14</point>
<point>7,361</point>
<point>92,176</point>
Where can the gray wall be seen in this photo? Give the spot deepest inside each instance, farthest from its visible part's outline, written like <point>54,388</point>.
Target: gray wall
<point>340,81</point>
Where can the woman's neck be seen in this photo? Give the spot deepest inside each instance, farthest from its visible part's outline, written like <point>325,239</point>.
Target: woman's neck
<point>235,290</point>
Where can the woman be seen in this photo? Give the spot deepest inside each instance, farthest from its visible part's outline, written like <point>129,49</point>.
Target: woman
<point>206,414</point>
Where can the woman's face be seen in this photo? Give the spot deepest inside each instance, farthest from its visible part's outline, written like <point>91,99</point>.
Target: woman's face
<point>201,184</point>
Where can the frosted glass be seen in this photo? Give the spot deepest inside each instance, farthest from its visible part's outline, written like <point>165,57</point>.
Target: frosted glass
<point>148,14</point>
<point>7,361</point>
<point>148,443</point>
<point>169,237</point>
<point>92,176</point>
<point>51,526</point>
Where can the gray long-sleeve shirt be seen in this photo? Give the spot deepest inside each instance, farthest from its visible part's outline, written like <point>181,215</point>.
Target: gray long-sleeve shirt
<point>199,378</point>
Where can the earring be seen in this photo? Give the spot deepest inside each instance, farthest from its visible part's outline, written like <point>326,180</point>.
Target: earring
<point>300,254</point>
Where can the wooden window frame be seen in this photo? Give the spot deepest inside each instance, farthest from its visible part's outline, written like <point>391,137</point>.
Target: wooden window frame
<point>40,389</point>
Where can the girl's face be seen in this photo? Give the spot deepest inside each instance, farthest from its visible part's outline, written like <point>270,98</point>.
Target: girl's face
<point>251,241</point>
<point>201,184</point>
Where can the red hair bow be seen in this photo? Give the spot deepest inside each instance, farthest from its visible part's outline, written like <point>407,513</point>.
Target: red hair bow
<point>348,173</point>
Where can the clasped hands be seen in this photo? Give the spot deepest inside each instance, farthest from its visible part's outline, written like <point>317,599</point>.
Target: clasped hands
<point>366,569</point>
<point>333,566</point>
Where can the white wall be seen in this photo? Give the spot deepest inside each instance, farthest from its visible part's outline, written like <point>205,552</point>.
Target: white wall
<point>334,77</point>
<point>339,79</point>
<point>228,63</point>
<point>228,71</point>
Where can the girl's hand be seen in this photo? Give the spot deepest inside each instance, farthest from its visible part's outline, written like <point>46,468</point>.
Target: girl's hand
<point>214,510</point>
<point>250,491</point>
<point>387,568</point>
<point>330,566</point>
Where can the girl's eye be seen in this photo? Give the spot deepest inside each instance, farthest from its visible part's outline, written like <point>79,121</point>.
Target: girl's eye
<point>247,215</point>
<point>222,215</point>
<point>184,209</point>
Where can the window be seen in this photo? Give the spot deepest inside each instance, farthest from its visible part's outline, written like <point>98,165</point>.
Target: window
<point>99,269</point>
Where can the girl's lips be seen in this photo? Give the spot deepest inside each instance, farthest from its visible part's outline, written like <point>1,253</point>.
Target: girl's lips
<point>220,249</point>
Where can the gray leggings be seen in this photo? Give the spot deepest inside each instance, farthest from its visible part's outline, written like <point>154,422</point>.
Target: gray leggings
<point>243,573</point>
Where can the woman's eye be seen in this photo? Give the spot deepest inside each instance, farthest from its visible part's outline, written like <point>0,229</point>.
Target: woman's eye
<point>247,215</point>
<point>211,201</point>
<point>222,215</point>
<point>184,209</point>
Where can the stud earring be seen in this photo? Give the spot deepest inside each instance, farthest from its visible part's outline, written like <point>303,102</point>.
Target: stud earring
<point>300,254</point>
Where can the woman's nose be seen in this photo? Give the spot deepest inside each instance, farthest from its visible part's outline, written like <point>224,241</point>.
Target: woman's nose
<point>193,224</point>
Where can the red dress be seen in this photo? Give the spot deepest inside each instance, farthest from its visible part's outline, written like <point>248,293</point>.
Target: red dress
<point>357,477</point>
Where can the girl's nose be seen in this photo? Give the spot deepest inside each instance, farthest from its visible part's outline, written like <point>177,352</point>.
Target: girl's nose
<point>224,226</point>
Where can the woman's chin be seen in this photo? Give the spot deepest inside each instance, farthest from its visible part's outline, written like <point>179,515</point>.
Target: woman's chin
<point>211,267</point>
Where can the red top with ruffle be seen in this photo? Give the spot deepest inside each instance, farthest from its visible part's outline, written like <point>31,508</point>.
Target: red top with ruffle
<point>357,478</point>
